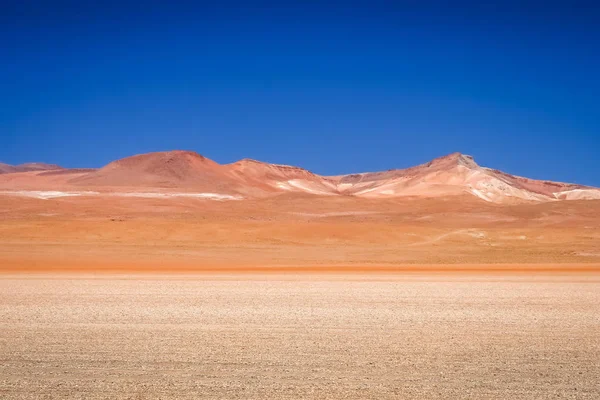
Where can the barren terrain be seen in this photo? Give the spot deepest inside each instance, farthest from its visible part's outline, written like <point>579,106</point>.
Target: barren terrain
<point>303,231</point>
<point>299,336</point>
<point>180,211</point>
<point>170,276</point>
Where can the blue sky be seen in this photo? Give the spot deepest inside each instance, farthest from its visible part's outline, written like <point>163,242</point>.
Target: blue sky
<point>335,87</point>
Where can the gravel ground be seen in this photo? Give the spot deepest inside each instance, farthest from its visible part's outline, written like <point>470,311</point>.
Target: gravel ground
<point>287,337</point>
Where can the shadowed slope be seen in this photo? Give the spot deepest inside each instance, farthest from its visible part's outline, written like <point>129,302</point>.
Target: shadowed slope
<point>8,169</point>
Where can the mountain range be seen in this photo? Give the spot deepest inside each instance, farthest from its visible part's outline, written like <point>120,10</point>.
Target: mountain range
<point>190,173</point>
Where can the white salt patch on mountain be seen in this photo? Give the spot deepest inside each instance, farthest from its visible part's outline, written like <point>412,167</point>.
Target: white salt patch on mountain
<point>45,194</point>
<point>284,186</point>
<point>159,195</point>
<point>304,186</point>
<point>344,186</point>
<point>480,194</point>
<point>578,194</point>
<point>51,194</point>
<point>386,189</point>
<point>494,190</point>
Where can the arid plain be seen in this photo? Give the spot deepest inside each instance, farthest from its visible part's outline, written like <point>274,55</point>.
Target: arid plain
<point>299,336</point>
<point>114,289</point>
<point>108,233</point>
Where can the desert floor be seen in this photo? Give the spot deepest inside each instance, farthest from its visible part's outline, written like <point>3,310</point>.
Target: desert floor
<point>251,336</point>
<point>105,233</point>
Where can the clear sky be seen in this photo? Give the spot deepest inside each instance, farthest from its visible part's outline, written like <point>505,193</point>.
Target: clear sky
<point>335,87</point>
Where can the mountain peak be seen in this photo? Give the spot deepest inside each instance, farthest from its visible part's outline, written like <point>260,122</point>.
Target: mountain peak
<point>454,159</point>
<point>176,168</point>
<point>160,157</point>
<point>176,154</point>
<point>249,161</point>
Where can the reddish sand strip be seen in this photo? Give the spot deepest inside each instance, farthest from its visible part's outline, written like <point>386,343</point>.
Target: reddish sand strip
<point>167,268</point>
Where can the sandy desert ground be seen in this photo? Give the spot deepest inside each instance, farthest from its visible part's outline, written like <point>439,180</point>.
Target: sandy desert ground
<point>108,233</point>
<point>299,336</point>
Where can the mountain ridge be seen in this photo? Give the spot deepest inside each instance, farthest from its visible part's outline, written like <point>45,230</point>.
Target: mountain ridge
<point>26,167</point>
<point>449,175</point>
